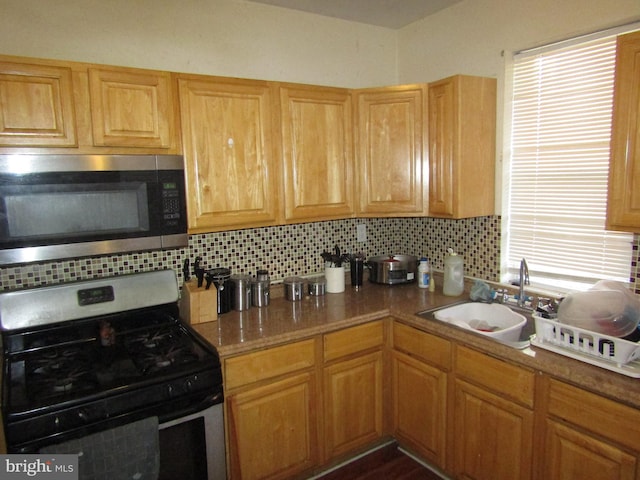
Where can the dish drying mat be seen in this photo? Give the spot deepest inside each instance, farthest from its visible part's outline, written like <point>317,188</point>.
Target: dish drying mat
<point>611,353</point>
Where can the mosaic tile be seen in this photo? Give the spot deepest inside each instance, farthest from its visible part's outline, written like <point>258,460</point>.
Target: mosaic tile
<point>295,250</point>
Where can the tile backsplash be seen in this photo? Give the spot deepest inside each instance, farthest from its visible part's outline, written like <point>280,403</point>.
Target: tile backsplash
<point>295,250</point>
<point>289,250</point>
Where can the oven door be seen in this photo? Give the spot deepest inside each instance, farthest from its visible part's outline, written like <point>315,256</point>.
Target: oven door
<point>64,206</point>
<point>193,446</point>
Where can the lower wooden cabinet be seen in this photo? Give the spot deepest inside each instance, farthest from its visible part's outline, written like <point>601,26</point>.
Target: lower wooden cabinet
<point>492,418</point>
<point>353,383</point>
<point>273,429</point>
<point>272,413</point>
<point>419,407</point>
<point>572,454</point>
<point>493,436</point>
<point>588,436</point>
<point>419,365</point>
<point>353,403</point>
<point>294,409</point>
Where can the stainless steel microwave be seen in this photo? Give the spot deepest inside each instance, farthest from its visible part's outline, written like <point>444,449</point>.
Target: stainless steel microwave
<point>64,206</point>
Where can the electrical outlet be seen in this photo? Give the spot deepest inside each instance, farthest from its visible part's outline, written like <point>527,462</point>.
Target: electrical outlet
<point>361,232</point>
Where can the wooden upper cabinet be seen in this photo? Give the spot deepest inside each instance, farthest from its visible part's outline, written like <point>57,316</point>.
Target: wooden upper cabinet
<point>462,147</point>
<point>36,106</point>
<point>391,136</point>
<point>623,208</point>
<point>317,152</point>
<point>228,145</point>
<point>132,108</point>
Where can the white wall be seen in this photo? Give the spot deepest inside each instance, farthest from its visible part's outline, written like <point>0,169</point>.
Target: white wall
<point>470,36</point>
<point>218,37</point>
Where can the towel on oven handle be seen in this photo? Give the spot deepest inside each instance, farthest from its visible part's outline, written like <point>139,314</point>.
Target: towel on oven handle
<point>128,452</point>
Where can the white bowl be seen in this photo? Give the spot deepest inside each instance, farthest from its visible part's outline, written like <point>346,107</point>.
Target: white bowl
<point>490,319</point>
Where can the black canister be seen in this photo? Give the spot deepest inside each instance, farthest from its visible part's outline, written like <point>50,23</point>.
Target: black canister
<point>221,278</point>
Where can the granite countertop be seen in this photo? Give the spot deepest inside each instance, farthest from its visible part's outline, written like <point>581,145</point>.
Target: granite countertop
<point>285,321</point>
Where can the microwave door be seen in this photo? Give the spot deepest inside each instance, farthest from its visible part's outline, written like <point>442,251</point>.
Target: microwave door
<point>62,215</point>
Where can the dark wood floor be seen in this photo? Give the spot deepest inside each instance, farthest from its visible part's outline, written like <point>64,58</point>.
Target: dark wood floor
<point>386,463</point>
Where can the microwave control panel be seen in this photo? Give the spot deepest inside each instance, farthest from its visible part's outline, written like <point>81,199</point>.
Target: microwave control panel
<point>170,201</point>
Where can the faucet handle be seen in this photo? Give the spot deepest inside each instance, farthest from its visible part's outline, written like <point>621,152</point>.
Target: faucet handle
<point>502,295</point>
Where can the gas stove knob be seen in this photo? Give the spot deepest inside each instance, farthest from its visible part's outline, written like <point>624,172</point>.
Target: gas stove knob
<point>188,385</point>
<point>82,415</point>
<point>170,390</point>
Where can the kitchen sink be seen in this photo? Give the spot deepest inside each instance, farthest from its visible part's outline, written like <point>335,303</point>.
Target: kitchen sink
<point>508,324</point>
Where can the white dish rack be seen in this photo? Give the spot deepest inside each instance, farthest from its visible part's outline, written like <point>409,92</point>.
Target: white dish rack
<point>612,353</point>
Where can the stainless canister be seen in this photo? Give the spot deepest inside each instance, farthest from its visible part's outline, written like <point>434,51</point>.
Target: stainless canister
<point>317,286</point>
<point>293,288</point>
<point>241,296</point>
<point>262,275</point>
<point>260,292</point>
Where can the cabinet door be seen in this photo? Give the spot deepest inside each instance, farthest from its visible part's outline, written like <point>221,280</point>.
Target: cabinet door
<point>132,108</point>
<point>317,152</point>
<point>601,437</point>
<point>272,429</point>
<point>462,147</point>
<point>623,207</point>
<point>228,147</point>
<point>353,403</point>
<point>36,106</point>
<point>492,436</point>
<point>570,454</point>
<point>419,407</point>
<point>391,160</point>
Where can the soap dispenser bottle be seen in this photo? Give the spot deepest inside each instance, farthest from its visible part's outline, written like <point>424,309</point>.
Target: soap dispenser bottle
<point>453,274</point>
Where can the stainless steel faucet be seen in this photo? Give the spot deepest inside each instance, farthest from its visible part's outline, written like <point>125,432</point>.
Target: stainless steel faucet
<point>524,280</point>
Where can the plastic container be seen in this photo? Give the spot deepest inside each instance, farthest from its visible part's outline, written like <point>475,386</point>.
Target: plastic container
<point>453,274</point>
<point>492,320</point>
<point>608,308</point>
<point>423,273</point>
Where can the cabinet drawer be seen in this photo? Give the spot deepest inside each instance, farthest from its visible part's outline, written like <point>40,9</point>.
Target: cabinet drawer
<point>422,345</point>
<point>270,363</point>
<point>501,377</point>
<point>600,415</point>
<point>353,340</point>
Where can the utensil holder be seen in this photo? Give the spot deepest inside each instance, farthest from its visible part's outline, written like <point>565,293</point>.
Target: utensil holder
<point>335,279</point>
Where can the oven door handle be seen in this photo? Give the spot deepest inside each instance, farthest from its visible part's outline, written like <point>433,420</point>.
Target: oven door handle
<point>194,409</point>
<point>209,401</point>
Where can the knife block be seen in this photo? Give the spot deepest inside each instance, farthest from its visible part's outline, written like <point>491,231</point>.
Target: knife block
<point>198,305</point>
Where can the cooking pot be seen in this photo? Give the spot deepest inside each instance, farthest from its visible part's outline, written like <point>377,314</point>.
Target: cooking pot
<point>393,269</point>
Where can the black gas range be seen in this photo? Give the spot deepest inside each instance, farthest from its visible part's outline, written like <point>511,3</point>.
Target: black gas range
<point>89,356</point>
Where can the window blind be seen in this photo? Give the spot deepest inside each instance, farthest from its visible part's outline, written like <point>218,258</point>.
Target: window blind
<point>561,128</point>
